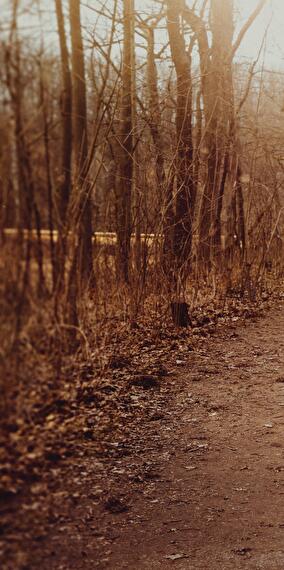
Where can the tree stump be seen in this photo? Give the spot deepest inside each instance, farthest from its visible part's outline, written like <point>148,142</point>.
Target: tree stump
<point>180,314</point>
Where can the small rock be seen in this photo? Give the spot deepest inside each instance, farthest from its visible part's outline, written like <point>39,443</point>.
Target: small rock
<point>116,505</point>
<point>243,551</point>
<point>145,381</point>
<point>176,556</point>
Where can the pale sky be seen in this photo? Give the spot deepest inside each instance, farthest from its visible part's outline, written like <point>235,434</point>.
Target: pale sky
<point>272,14</point>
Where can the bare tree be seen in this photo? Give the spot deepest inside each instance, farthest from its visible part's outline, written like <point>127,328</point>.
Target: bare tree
<point>165,183</point>
<point>66,109</point>
<point>64,186</point>
<point>216,79</point>
<point>124,224</point>
<point>29,211</point>
<point>185,184</point>
<point>82,188</point>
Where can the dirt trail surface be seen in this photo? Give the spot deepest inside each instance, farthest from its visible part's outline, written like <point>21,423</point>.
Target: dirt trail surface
<point>218,502</point>
<point>198,485</point>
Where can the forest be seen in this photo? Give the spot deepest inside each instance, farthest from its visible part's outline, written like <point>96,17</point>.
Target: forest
<point>142,255</point>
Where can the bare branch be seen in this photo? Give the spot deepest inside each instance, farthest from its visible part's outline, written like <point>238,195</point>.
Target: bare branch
<point>246,27</point>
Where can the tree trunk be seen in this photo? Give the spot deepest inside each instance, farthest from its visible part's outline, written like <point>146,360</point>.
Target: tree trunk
<point>28,209</point>
<point>164,185</point>
<point>218,114</point>
<point>82,186</point>
<point>66,110</point>
<point>64,187</point>
<point>126,149</point>
<point>46,143</point>
<point>186,190</point>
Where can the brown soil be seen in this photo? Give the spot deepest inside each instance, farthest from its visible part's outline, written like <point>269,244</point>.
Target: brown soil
<point>201,483</point>
<point>219,500</point>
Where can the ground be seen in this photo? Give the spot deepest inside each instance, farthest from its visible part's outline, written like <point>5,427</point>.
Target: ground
<point>196,483</point>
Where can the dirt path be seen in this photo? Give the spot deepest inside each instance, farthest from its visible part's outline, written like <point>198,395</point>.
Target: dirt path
<point>217,498</point>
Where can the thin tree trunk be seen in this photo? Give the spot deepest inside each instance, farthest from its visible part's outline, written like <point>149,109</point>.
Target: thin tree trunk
<point>82,186</point>
<point>164,185</point>
<point>186,190</point>
<point>27,202</point>
<point>126,149</point>
<point>66,110</point>
<point>64,186</point>
<point>43,106</point>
